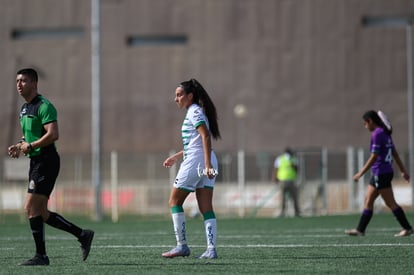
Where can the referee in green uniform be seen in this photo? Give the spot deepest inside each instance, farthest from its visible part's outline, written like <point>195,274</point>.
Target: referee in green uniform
<point>38,119</point>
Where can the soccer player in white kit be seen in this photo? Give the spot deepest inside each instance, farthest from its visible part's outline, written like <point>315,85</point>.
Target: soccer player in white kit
<point>198,169</point>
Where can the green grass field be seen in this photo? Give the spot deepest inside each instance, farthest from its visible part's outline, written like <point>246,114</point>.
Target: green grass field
<point>308,245</point>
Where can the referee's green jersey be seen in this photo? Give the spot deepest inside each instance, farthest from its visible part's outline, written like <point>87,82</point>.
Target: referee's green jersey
<point>33,116</point>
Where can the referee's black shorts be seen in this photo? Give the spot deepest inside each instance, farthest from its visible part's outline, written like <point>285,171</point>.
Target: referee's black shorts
<point>43,172</point>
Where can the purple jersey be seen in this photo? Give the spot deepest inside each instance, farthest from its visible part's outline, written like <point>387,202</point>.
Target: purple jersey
<point>382,146</point>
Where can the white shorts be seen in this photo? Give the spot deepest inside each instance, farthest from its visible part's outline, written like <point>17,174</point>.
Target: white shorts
<point>188,175</point>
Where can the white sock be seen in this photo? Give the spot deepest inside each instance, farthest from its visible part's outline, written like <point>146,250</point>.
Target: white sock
<point>211,232</point>
<point>179,227</point>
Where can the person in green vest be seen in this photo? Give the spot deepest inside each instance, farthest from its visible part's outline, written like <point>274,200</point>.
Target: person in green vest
<point>286,170</point>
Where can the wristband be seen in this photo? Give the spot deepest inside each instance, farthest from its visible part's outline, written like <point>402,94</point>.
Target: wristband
<point>30,147</point>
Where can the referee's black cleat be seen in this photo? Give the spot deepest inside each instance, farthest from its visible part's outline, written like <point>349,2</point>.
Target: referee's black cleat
<point>37,260</point>
<point>86,242</point>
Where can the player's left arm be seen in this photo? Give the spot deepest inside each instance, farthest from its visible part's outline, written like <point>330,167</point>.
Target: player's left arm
<point>400,164</point>
<point>50,136</point>
<point>206,139</point>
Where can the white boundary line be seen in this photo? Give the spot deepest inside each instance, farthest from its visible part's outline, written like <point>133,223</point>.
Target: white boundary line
<point>266,245</point>
<point>249,246</point>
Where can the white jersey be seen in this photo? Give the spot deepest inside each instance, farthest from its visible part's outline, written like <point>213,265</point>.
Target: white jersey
<point>192,141</point>
<point>188,176</point>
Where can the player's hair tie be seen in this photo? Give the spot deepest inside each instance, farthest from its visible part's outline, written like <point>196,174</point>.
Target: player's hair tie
<point>385,120</point>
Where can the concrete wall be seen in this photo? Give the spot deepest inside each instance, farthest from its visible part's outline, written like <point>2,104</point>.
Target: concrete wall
<point>306,70</point>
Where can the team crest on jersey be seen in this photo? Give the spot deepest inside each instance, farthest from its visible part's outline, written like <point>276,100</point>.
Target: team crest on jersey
<point>32,185</point>
<point>23,112</point>
<point>197,114</point>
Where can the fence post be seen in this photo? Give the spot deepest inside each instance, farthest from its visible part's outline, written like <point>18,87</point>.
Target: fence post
<point>324,178</point>
<point>350,155</point>
<point>114,185</point>
<point>361,182</point>
<point>241,182</point>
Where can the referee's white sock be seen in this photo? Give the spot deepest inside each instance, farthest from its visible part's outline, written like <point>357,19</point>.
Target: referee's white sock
<point>179,223</point>
<point>210,224</point>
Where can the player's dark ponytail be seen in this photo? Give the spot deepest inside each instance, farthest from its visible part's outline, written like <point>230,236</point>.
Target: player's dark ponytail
<point>202,98</point>
<point>373,115</point>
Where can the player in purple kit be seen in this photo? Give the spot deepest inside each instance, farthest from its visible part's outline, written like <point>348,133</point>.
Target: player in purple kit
<point>383,152</point>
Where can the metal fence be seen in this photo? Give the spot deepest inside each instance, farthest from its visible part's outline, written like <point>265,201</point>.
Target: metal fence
<point>139,184</point>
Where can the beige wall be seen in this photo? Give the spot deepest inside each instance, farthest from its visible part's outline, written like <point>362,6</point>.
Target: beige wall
<point>306,70</point>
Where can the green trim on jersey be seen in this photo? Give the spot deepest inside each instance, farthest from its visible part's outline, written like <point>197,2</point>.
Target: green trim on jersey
<point>199,124</point>
<point>33,116</point>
